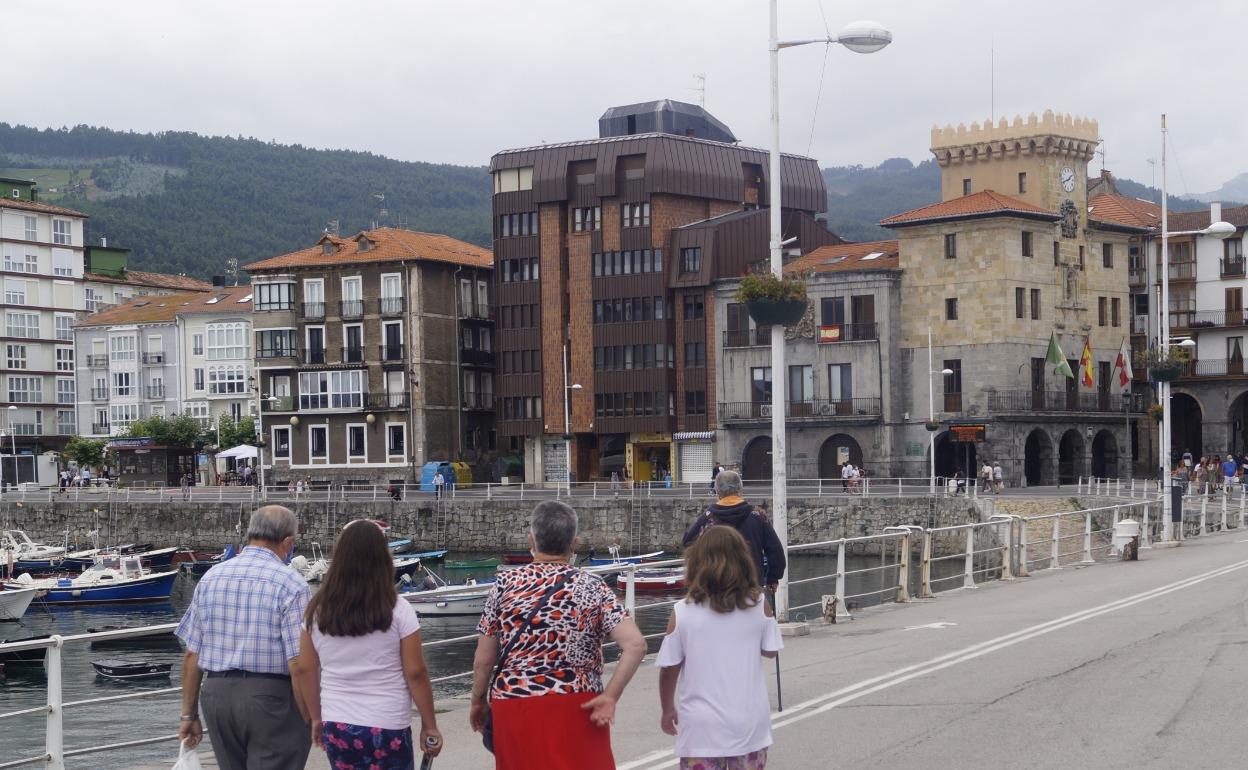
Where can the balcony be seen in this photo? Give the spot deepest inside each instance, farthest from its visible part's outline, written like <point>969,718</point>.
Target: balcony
<point>66,428</point>
<point>351,308</point>
<point>266,353</point>
<point>476,357</point>
<point>1181,271</point>
<point>477,401</point>
<point>479,311</point>
<point>746,338</point>
<point>1207,319</point>
<point>388,400</point>
<point>26,429</point>
<point>1049,401</point>
<point>390,352</point>
<point>154,391</point>
<point>99,394</point>
<point>97,361</point>
<point>1137,277</point>
<point>282,404</point>
<point>390,306</point>
<point>313,356</point>
<point>312,310</point>
<point>353,355</point>
<point>1139,324</point>
<point>153,359</point>
<point>1232,268</point>
<point>829,334</point>
<point>815,409</point>
<point>1213,367</point>
<point>99,429</point>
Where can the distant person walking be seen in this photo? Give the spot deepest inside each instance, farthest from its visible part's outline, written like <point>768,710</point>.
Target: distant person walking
<point>732,510</point>
<point>1228,471</point>
<point>86,477</point>
<point>360,662</point>
<point>186,485</point>
<point>241,632</point>
<point>439,482</point>
<point>715,474</point>
<point>712,656</point>
<point>998,477</point>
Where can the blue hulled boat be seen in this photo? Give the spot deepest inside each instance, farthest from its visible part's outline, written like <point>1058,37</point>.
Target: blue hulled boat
<point>109,581</point>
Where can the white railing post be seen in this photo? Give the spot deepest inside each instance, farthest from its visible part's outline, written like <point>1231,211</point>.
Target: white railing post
<point>1223,513</point>
<point>1022,548</point>
<point>840,579</point>
<point>630,590</point>
<point>1133,487</point>
<point>489,491</point>
<point>1079,485</point>
<point>899,487</point>
<point>925,567</point>
<point>1241,508</point>
<point>1007,548</point>
<point>1118,487</point>
<point>1087,538</point>
<point>1204,522</point>
<point>866,487</point>
<point>1055,558</point>
<point>54,736</point>
<point>1146,538</point>
<point>968,577</point>
<point>903,567</point>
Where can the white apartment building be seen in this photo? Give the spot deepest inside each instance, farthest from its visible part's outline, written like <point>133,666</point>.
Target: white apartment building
<point>214,337</point>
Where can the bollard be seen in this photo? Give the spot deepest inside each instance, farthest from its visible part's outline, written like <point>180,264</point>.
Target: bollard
<point>1079,485</point>
<point>1133,487</point>
<point>925,567</point>
<point>1241,508</point>
<point>1022,548</point>
<point>1055,557</point>
<point>54,736</point>
<point>1223,529</point>
<point>842,607</point>
<point>903,568</point>
<point>1087,538</point>
<point>1204,522</point>
<point>968,576</point>
<point>899,487</point>
<point>1146,538</point>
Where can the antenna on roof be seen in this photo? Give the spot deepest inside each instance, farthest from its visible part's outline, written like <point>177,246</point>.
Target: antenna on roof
<point>700,79</point>
<point>231,270</point>
<point>331,227</point>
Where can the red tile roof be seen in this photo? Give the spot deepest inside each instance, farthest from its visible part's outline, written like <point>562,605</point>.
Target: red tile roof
<point>981,204</point>
<point>155,309</point>
<point>154,280</point>
<point>1122,210</point>
<point>39,206</point>
<point>1199,220</point>
<point>847,256</point>
<point>387,244</point>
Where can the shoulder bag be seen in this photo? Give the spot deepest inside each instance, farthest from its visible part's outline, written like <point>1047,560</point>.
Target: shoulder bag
<point>487,733</point>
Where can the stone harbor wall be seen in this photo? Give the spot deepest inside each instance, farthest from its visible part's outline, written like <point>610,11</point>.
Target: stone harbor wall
<point>465,524</point>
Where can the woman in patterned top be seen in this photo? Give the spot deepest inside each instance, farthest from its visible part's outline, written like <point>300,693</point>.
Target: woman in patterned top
<point>550,709</point>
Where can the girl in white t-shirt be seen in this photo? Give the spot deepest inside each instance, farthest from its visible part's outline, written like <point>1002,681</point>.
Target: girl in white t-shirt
<point>360,665</point>
<point>723,625</point>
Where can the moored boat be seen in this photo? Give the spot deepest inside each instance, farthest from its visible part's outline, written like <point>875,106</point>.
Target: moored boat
<point>108,581</point>
<point>492,561</point>
<point>165,640</point>
<point>400,546</point>
<point>654,580</point>
<point>130,668</point>
<point>15,601</point>
<point>23,658</point>
<point>447,604</point>
<point>429,555</point>
<point>517,557</point>
<point>26,554</point>
<point>615,558</point>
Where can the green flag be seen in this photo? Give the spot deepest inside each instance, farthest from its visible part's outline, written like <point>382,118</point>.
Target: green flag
<point>1058,358</point>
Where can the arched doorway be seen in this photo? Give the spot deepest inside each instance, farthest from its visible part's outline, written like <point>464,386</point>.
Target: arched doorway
<point>1070,457</point>
<point>835,451</point>
<point>1237,416</point>
<point>1038,459</point>
<point>1105,455</point>
<point>953,457</point>
<point>756,460</point>
<point>1185,427</point>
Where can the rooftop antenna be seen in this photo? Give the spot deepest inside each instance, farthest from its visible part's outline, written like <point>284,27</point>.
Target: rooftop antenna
<point>1152,165</point>
<point>700,79</point>
<point>992,79</point>
<point>331,227</point>
<point>231,270</point>
<point>382,212</point>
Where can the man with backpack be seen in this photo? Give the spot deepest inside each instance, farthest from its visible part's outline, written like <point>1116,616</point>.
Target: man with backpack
<point>732,510</point>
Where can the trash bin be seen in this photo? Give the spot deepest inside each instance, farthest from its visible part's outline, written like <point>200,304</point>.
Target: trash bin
<point>1126,540</point>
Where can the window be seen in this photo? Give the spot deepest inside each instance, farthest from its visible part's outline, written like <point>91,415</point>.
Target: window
<point>1102,310</point>
<point>1022,182</point>
<point>635,214</point>
<point>586,219</point>
<point>62,264</point>
<point>695,354</point>
<point>840,382</point>
<point>199,410</point>
<point>64,359</point>
<point>485,342</point>
<point>123,415</point>
<point>514,270</point>
<point>1020,297</point>
<point>1080,257</point>
<point>951,246</point>
<point>199,379</point>
<point>16,356</point>
<point>695,402</point>
<point>25,390</point>
<point>760,384</point>
<point>801,384</point>
<point>513,179</point>
<point>1035,304</point>
<point>197,344</point>
<point>524,223</point>
<point>93,299</point>
<point>966,187</point>
<point>18,264</point>
<point>396,439</point>
<point>951,308</point>
<point>1233,249</point>
<point>66,424</point>
<point>22,325</point>
<point>332,390</point>
<point>227,380</point>
<point>281,443</point>
<point>318,442</point>
<point>355,442</point>
<point>1027,252</point>
<point>121,347</point>
<point>274,296</point>
<point>1057,253</point>
<point>123,384</point>
<point>1115,311</point>
<point>31,228</point>
<point>953,382</point>
<point>1107,255</point>
<point>66,392</point>
<point>691,260</point>
<point>274,343</point>
<point>64,327</point>
<point>14,291</point>
<point>832,311</point>
<point>227,341</point>
<point>61,232</point>
<point>693,307</point>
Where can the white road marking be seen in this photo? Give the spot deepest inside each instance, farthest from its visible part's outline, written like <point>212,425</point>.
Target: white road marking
<point>823,703</point>
<point>940,624</point>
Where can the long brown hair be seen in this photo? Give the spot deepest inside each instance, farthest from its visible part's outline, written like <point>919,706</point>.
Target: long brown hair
<point>720,571</point>
<point>358,595</point>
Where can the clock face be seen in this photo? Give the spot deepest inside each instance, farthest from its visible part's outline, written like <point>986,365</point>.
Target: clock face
<point>1068,179</point>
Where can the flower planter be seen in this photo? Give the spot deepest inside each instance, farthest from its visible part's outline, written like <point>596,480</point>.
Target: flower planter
<point>1166,372</point>
<point>932,427</point>
<point>767,312</point>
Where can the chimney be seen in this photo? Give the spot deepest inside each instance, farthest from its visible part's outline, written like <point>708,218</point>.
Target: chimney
<point>104,241</point>
<point>1215,212</point>
<point>218,281</point>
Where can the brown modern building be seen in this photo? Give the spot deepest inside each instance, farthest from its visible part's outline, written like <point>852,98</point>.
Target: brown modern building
<point>605,254</point>
<point>374,355</point>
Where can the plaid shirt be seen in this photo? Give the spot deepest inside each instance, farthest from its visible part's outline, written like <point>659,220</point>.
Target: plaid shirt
<point>246,614</point>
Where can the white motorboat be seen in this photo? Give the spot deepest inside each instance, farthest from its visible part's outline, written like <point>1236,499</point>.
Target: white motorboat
<point>17,546</point>
<point>313,569</point>
<point>447,604</point>
<point>112,579</point>
<point>15,601</point>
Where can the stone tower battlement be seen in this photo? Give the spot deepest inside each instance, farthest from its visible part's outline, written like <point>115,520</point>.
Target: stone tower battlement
<point>1051,132</point>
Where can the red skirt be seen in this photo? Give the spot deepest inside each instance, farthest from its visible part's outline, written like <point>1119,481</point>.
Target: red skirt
<point>549,732</point>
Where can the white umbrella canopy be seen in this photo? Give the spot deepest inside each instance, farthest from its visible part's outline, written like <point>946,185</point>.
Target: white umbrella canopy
<point>240,452</point>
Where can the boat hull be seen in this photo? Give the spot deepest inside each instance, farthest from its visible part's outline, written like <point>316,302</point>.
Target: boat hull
<point>473,564</point>
<point>638,559</point>
<point>517,557</point>
<point>14,603</point>
<point>125,669</point>
<point>448,604</point>
<point>657,581</point>
<point>152,588</point>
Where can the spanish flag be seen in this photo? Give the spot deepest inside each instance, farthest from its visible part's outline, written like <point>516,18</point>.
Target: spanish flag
<point>1085,363</point>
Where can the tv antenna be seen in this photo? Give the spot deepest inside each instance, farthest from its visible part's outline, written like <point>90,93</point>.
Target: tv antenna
<point>700,79</point>
<point>231,270</point>
<point>331,227</point>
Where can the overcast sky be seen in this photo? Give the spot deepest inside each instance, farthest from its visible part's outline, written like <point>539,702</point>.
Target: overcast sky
<point>456,81</point>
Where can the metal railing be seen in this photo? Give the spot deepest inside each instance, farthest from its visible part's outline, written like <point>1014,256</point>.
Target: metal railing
<point>1207,319</point>
<point>1060,401</point>
<point>153,359</point>
<point>1231,268</point>
<point>478,311</point>
<point>390,306</point>
<point>813,409</point>
<point>1212,367</point>
<point>313,356</point>
<point>352,355</point>
<point>390,352</point>
<point>279,352</point>
<point>351,308</point>
<point>99,394</point>
<point>99,428</point>
<point>97,361</point>
<point>154,391</point>
<point>312,309</point>
<point>281,404</point>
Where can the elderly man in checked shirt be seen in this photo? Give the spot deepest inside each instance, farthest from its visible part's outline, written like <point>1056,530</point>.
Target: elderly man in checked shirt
<point>242,639</point>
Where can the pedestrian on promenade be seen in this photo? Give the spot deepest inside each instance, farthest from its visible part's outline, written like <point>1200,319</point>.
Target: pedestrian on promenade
<point>86,477</point>
<point>1201,477</point>
<point>1228,471</point>
<point>732,510</point>
<point>847,473</point>
<point>241,632</point>
<point>186,486</point>
<point>438,482</point>
<point>360,662</point>
<point>716,639</point>
<point>715,474</point>
<point>998,477</point>
<point>538,668</point>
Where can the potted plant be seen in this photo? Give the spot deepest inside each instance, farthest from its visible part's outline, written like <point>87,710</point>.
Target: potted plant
<point>932,427</point>
<point>1155,411</point>
<point>1164,366</point>
<point>773,300</point>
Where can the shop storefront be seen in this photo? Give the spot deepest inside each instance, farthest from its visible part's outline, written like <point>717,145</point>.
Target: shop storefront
<point>649,457</point>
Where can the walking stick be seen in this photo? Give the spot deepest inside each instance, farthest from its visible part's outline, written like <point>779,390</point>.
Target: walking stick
<point>771,597</point>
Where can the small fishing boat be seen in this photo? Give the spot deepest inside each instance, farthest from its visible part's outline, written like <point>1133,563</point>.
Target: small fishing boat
<point>110,580</point>
<point>312,569</point>
<point>23,658</point>
<point>27,555</point>
<point>487,563</point>
<point>400,546</point>
<point>429,555</point>
<point>186,555</point>
<point>198,567</point>
<point>130,668</point>
<point>654,580</point>
<point>517,557</point>
<point>405,565</point>
<point>167,639</point>
<point>15,602</point>
<point>615,558</point>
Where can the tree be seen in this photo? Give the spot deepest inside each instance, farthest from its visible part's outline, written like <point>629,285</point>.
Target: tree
<point>178,431</point>
<point>235,433</point>
<point>84,451</point>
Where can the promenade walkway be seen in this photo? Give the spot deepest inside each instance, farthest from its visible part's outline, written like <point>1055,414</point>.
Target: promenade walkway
<point>1113,665</point>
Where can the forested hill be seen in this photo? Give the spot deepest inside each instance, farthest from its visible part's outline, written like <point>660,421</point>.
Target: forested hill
<point>185,203</point>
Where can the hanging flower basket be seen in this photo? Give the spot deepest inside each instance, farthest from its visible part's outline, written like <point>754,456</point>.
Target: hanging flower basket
<point>772,300</point>
<point>1166,371</point>
<point>767,312</point>
<point>932,427</point>
<point>1156,412</point>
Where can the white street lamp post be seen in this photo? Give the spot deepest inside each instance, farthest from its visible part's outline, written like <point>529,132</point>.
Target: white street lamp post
<point>931,414</point>
<point>859,37</point>
<point>567,422</point>
<point>1219,230</point>
<point>260,442</point>
<point>13,446</point>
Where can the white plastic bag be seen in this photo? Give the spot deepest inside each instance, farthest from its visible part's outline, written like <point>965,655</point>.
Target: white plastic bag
<point>188,759</point>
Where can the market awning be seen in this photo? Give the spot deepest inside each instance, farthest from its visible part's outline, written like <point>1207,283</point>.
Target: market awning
<point>240,452</point>
<point>706,435</point>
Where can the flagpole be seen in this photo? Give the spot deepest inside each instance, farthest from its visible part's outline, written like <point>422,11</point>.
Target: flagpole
<point>1163,388</point>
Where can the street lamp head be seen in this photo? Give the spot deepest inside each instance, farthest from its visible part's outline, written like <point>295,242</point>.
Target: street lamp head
<point>1187,343</point>
<point>946,372</point>
<point>273,399</point>
<point>1219,230</point>
<point>864,37</point>
<point>575,386</point>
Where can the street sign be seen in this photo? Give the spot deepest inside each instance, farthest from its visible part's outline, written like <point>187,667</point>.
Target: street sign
<point>967,434</point>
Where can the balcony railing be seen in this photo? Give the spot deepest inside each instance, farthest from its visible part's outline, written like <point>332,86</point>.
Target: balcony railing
<point>352,355</point>
<point>351,308</point>
<point>1137,276</point>
<point>390,352</point>
<point>390,305</point>
<point>477,401</point>
<point>1030,401</point>
<point>66,428</point>
<point>314,356</point>
<point>476,357</point>
<point>1213,367</point>
<point>97,361</point>
<point>1205,319</point>
<point>154,391</point>
<point>1139,324</point>
<point>388,400</point>
<point>1182,271</point>
<point>276,353</point>
<point>153,359</point>
<point>1232,268</point>
<point>99,394</point>
<point>281,404</point>
<point>478,310</point>
<point>745,338</point>
<point>814,409</point>
<point>27,429</point>
<point>312,310</point>
<point>99,428</point>
<point>1182,319</point>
